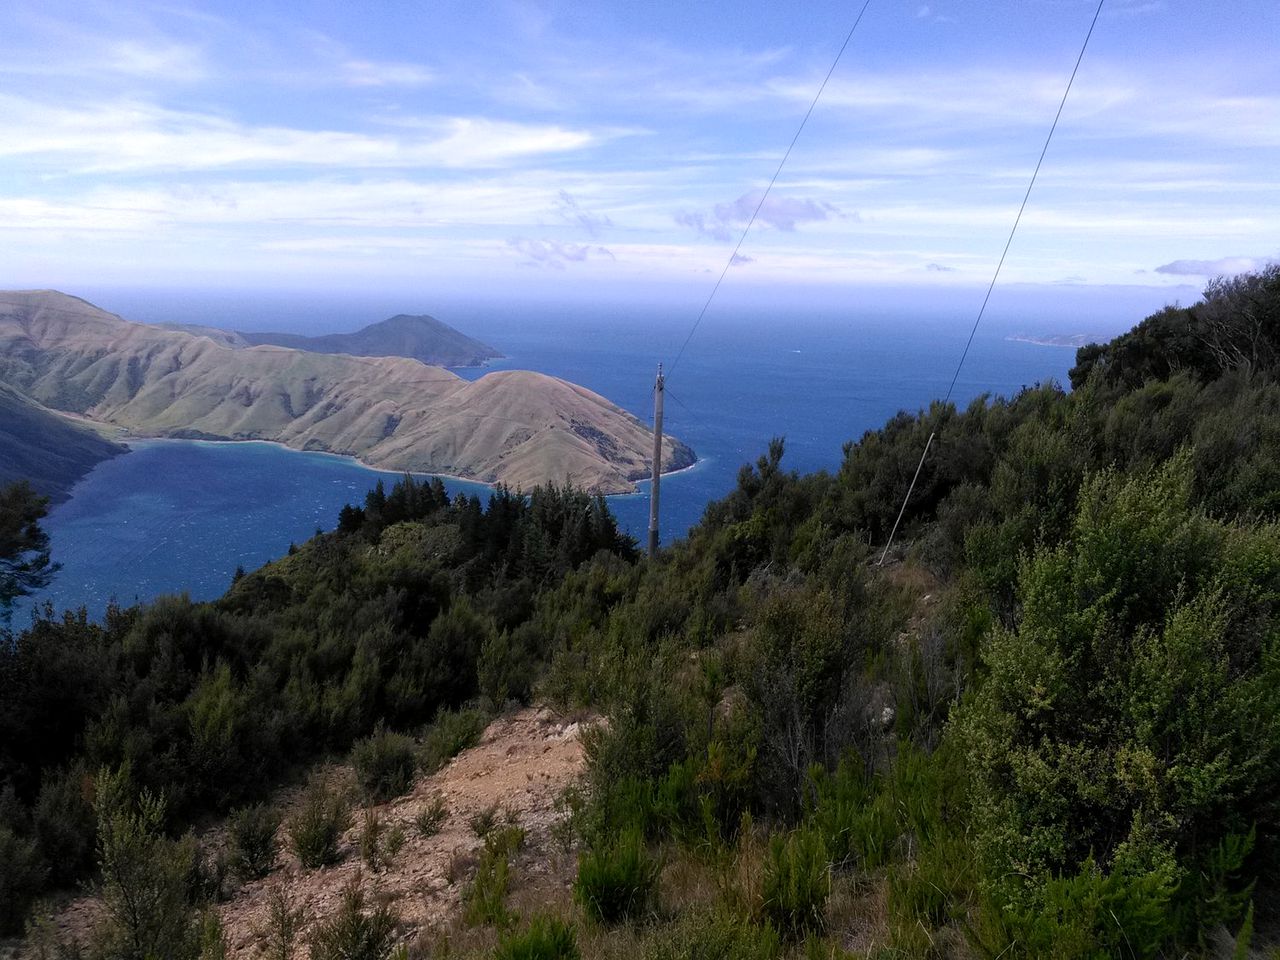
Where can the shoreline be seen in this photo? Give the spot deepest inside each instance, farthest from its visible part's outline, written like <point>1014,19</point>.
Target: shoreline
<point>129,440</point>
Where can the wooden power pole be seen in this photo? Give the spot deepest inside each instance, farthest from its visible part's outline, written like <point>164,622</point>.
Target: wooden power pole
<point>657,464</point>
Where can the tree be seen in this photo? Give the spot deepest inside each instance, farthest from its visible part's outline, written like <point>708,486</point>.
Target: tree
<point>24,547</point>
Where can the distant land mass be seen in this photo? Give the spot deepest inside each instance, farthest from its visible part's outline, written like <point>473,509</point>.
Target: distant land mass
<point>420,338</point>
<point>46,448</point>
<point>515,427</point>
<point>1058,339</point>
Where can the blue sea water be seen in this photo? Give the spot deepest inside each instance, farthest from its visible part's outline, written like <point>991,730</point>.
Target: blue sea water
<point>175,516</point>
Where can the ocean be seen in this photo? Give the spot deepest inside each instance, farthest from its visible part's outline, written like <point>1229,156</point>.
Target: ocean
<point>181,516</point>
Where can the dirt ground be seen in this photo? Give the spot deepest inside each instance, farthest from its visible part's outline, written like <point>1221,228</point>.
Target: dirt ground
<point>521,765</point>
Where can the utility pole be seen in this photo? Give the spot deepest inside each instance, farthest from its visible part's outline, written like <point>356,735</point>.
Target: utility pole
<point>657,464</point>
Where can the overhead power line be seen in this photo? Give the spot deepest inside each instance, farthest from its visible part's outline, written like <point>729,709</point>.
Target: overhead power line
<point>995,276</point>
<point>772,180</point>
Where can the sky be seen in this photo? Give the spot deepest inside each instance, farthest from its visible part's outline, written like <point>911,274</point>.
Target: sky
<point>602,147</point>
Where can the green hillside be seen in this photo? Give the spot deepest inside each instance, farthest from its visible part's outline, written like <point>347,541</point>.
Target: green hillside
<point>510,426</point>
<point>45,448</point>
<point>1048,726</point>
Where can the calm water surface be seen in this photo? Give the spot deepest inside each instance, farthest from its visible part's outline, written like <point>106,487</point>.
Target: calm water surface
<point>176,516</point>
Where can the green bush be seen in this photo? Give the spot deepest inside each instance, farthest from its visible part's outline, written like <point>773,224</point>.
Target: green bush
<point>22,874</point>
<point>431,818</point>
<point>252,841</point>
<point>717,937</point>
<point>146,878</point>
<point>450,734</point>
<point>317,827</point>
<point>384,764</point>
<point>485,899</point>
<point>65,824</point>
<point>797,882</point>
<point>616,882</point>
<point>353,933</point>
<point>546,938</point>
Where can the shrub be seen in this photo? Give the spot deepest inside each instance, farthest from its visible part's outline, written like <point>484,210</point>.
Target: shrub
<point>431,817</point>
<point>212,937</point>
<point>280,930</point>
<point>393,843</point>
<point>720,937</point>
<point>354,934</point>
<point>616,882</point>
<point>797,883</point>
<point>384,764</point>
<point>450,734</point>
<point>145,877</point>
<point>547,938</point>
<point>371,843</point>
<point>22,874</point>
<point>486,897</point>
<point>64,823</point>
<point>253,841</point>
<point>483,821</point>
<point>316,829</point>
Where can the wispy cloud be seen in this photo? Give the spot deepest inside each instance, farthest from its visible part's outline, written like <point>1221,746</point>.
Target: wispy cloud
<point>554,253</point>
<point>135,135</point>
<point>574,213</point>
<point>779,212</point>
<point>939,268</point>
<point>1222,267</point>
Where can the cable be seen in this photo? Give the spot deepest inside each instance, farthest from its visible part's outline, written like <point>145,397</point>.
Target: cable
<point>772,180</point>
<point>995,276</point>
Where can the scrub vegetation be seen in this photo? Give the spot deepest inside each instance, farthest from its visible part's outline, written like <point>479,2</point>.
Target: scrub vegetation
<point>1048,726</point>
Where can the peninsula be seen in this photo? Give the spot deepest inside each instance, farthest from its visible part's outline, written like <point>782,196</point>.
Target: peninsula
<point>515,427</point>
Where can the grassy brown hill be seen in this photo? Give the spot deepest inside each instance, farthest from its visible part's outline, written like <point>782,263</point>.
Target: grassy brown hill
<point>515,427</point>
<point>417,337</point>
<point>44,448</point>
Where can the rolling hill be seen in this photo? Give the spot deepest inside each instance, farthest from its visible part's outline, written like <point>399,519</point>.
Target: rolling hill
<point>514,427</point>
<point>47,449</point>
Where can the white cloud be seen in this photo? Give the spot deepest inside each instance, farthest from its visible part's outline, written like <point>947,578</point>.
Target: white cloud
<point>1222,267</point>
<point>554,253</point>
<point>780,212</point>
<point>572,212</point>
<point>125,135</point>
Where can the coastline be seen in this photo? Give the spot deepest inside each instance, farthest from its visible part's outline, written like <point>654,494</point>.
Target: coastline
<point>130,440</point>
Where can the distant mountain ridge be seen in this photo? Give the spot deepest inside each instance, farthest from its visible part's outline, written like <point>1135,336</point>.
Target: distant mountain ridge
<point>515,427</point>
<point>421,338</point>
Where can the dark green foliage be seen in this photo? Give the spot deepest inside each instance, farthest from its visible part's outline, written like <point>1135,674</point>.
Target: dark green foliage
<point>485,899</point>
<point>797,882</point>
<point>317,827</point>
<point>1134,714</point>
<point>282,926</point>
<point>251,838</point>
<point>24,547</point>
<point>384,764</point>
<point>431,818</point>
<point>22,872</point>
<point>65,824</point>
<point>1049,725</point>
<point>450,734</point>
<point>617,882</point>
<point>718,937</point>
<point>546,938</point>
<point>354,932</point>
<point>146,888</point>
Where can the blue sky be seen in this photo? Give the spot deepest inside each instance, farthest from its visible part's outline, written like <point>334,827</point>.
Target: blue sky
<point>595,147</point>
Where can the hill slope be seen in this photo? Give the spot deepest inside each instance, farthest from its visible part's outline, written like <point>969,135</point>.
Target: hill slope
<point>44,448</point>
<point>417,337</point>
<point>514,427</point>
